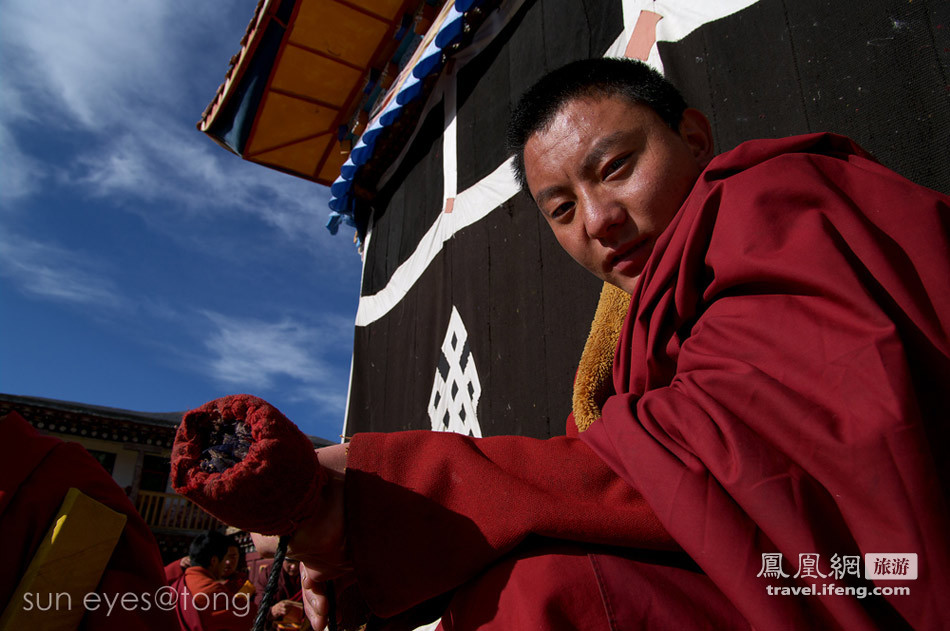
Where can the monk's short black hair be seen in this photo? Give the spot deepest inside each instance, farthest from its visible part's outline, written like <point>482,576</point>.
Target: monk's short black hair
<point>208,545</point>
<point>598,78</point>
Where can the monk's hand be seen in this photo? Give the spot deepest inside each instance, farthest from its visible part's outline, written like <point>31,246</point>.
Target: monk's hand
<point>319,543</point>
<point>280,609</point>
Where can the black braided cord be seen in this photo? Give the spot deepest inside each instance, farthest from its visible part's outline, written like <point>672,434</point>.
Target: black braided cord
<point>260,622</point>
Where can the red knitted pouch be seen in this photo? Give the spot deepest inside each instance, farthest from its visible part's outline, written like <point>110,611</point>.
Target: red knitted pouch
<point>244,462</point>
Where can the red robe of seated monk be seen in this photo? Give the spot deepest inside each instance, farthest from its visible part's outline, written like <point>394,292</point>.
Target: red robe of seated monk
<point>218,607</point>
<point>781,389</point>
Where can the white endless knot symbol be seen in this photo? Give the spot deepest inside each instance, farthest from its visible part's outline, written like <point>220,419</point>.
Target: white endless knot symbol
<point>456,389</point>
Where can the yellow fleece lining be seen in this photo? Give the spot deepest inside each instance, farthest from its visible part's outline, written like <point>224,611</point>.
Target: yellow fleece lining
<point>593,383</point>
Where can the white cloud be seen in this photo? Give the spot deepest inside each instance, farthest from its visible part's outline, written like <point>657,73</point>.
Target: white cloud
<point>20,175</point>
<point>123,167</point>
<point>256,355</point>
<point>85,58</point>
<point>118,84</point>
<point>54,273</point>
<point>330,399</point>
<point>169,164</point>
<point>251,351</point>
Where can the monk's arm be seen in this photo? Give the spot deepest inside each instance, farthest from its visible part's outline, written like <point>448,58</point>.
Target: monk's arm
<point>426,511</point>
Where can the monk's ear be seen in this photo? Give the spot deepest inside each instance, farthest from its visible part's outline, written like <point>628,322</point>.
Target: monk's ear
<point>697,134</point>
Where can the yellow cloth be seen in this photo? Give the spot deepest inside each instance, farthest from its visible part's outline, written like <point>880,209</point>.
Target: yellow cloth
<point>593,385</point>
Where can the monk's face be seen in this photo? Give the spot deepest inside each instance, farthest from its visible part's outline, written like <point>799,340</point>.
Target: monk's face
<point>609,176</point>
<point>229,562</point>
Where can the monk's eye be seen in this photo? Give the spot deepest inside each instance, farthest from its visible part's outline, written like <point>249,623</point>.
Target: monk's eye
<point>615,165</point>
<point>562,209</point>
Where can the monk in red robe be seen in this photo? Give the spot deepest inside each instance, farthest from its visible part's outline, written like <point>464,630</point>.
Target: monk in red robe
<point>219,607</point>
<point>768,451</point>
<point>287,599</point>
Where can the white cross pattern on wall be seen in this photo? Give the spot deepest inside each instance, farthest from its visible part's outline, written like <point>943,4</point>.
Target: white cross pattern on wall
<point>456,389</point>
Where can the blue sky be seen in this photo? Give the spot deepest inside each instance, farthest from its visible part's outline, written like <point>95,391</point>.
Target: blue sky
<point>141,265</point>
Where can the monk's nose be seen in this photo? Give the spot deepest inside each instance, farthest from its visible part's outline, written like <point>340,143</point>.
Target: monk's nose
<point>602,217</point>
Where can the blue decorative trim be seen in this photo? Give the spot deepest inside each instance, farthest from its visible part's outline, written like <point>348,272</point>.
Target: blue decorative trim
<point>341,191</point>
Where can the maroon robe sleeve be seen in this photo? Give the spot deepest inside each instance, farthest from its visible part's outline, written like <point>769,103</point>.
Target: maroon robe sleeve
<point>785,371</point>
<point>426,511</point>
